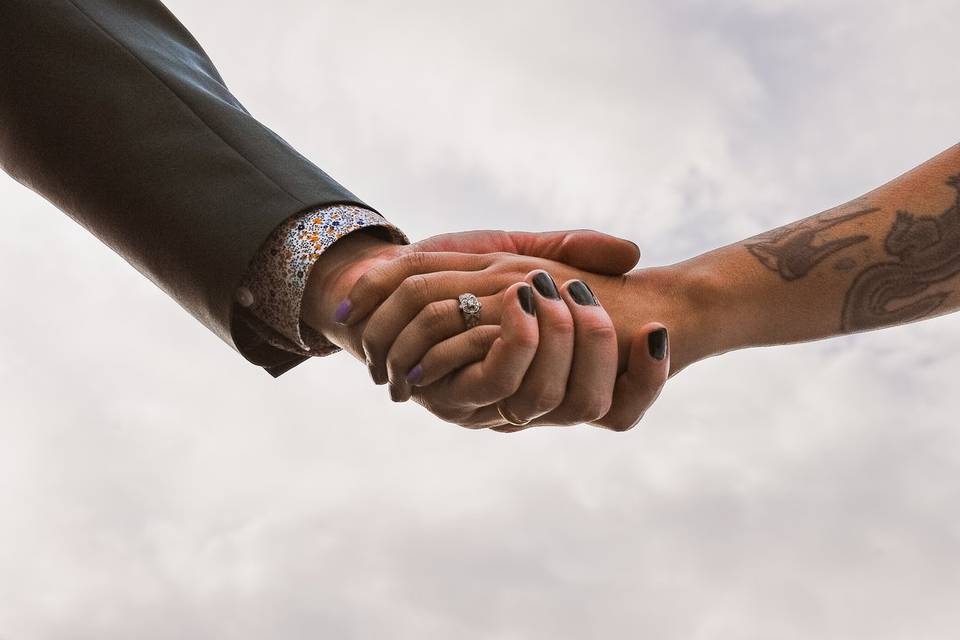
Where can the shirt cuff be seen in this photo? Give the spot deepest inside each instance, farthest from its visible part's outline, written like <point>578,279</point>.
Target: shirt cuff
<point>272,290</point>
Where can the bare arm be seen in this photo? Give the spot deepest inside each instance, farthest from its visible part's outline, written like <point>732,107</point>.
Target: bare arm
<point>887,258</point>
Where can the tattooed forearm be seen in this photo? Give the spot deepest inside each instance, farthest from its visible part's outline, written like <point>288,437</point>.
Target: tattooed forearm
<point>795,250</point>
<point>924,251</point>
<point>889,257</point>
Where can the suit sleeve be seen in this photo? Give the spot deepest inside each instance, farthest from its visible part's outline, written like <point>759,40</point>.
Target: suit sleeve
<point>113,112</point>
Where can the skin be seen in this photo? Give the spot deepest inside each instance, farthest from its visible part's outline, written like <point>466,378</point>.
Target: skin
<point>411,317</point>
<point>897,262</point>
<point>578,342</point>
<point>889,257</point>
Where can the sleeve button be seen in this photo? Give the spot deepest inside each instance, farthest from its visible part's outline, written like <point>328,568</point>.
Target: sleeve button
<point>244,297</point>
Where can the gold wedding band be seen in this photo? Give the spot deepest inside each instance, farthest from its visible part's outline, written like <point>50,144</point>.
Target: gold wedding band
<point>507,415</point>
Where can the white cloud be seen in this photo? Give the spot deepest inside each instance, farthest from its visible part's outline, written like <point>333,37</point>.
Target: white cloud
<point>155,486</point>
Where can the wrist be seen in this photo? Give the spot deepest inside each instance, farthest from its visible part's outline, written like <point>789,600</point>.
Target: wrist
<point>688,300</point>
<point>716,317</point>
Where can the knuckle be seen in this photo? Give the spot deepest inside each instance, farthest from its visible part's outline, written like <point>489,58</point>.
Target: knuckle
<point>592,409</point>
<point>548,400</point>
<point>598,332</point>
<point>503,263</point>
<point>536,401</point>
<point>414,262</point>
<point>562,326</point>
<point>416,288</point>
<point>436,313</point>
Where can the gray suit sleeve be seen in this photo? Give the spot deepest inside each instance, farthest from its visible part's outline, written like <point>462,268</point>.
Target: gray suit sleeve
<point>112,111</point>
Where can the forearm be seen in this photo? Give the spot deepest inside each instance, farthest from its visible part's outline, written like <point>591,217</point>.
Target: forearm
<point>887,258</point>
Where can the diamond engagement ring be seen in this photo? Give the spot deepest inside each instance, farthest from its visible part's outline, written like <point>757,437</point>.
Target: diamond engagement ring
<point>470,309</point>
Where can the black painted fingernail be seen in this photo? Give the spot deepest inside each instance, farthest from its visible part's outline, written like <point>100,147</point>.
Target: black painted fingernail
<point>657,343</point>
<point>582,294</point>
<point>546,286</point>
<point>525,294</point>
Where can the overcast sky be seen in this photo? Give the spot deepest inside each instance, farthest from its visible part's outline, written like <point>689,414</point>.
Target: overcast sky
<point>153,485</point>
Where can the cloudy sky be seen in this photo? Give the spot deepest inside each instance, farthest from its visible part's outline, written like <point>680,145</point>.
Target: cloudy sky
<point>153,485</point>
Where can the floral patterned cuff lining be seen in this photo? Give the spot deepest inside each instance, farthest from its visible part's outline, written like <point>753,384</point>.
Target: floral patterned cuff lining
<point>272,290</point>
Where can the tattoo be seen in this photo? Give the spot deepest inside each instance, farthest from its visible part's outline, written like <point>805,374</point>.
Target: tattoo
<point>926,250</point>
<point>845,264</point>
<point>793,251</point>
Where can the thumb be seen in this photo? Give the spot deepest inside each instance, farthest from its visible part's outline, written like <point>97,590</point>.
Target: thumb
<point>582,249</point>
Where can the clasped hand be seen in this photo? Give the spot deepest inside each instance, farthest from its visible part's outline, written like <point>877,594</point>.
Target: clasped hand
<point>547,349</point>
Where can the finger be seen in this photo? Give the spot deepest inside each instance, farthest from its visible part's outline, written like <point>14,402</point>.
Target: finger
<point>582,249</point>
<point>638,387</point>
<point>544,387</point>
<point>455,353</point>
<point>376,285</point>
<point>436,323</point>
<point>403,305</point>
<point>501,372</point>
<point>593,373</point>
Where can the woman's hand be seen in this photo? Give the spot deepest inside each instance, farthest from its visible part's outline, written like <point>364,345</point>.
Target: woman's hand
<point>414,338</point>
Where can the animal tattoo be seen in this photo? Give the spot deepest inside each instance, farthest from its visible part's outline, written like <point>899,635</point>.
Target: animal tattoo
<point>793,251</point>
<point>926,251</point>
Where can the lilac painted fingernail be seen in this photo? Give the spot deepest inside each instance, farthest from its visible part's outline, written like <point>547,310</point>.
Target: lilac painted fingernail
<point>415,375</point>
<point>343,311</point>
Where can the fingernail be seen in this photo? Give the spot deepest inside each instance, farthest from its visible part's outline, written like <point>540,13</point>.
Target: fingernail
<point>546,286</point>
<point>397,394</point>
<point>582,294</point>
<point>415,375</point>
<point>635,245</point>
<point>343,311</point>
<point>657,343</point>
<point>525,294</point>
